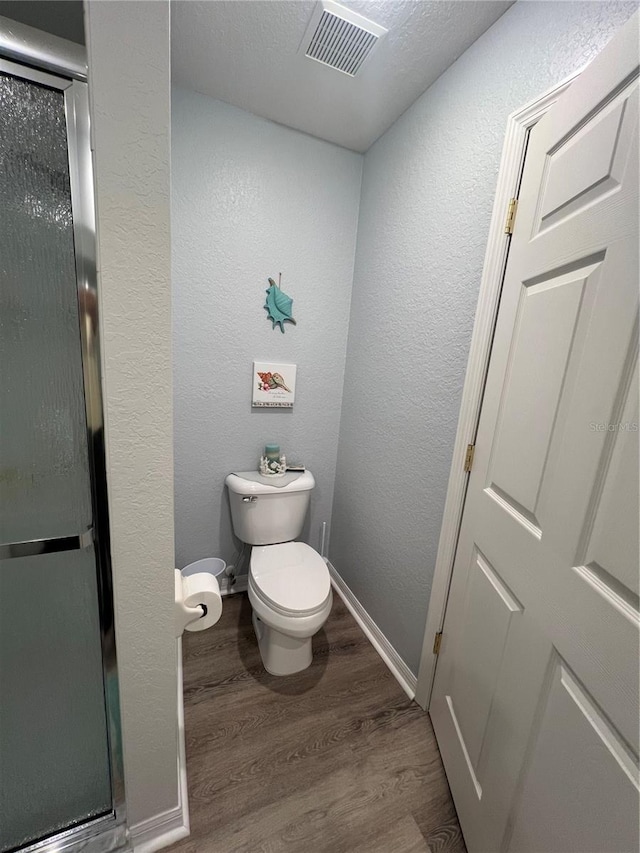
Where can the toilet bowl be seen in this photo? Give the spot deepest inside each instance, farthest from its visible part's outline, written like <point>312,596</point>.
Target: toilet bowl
<point>290,593</point>
<point>289,583</point>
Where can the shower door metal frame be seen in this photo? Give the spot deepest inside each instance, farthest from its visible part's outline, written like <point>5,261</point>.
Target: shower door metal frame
<point>27,48</point>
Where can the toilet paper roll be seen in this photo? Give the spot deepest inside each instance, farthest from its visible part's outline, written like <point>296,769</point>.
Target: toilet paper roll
<point>192,593</point>
<point>182,614</point>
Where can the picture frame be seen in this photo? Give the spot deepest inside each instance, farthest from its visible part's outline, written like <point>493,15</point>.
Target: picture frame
<point>273,385</point>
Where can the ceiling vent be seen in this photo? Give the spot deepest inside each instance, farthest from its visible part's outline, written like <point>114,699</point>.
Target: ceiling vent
<point>340,38</point>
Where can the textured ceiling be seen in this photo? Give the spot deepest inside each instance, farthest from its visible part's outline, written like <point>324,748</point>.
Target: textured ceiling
<point>244,52</point>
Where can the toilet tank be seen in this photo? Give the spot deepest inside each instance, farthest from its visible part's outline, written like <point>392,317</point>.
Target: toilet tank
<point>263,514</point>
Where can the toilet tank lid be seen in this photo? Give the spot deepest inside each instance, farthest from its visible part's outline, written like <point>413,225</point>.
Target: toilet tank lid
<point>252,483</point>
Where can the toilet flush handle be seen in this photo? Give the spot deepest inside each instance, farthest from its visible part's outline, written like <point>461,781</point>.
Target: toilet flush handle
<point>249,500</point>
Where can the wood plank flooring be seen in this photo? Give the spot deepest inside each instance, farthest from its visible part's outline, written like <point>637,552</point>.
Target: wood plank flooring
<point>335,759</point>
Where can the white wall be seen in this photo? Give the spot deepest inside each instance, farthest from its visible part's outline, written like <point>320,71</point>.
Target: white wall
<point>129,87</point>
<point>427,194</point>
<point>250,199</point>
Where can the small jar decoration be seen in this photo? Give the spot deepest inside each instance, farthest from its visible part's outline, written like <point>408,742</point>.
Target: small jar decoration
<point>272,464</point>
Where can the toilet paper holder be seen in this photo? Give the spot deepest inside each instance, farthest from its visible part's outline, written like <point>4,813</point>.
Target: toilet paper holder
<point>198,604</point>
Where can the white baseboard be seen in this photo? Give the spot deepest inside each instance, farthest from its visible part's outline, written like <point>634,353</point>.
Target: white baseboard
<point>170,826</point>
<point>403,675</point>
<point>158,831</point>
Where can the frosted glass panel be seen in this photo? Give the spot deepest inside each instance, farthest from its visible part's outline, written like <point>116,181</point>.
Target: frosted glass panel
<point>54,766</point>
<point>54,759</point>
<point>44,474</point>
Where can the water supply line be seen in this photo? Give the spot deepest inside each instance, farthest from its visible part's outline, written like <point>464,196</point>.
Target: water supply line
<point>233,570</point>
<point>323,537</point>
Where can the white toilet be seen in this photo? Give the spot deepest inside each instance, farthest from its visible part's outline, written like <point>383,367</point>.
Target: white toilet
<point>289,586</point>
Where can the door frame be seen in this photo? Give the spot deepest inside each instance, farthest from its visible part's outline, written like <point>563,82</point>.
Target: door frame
<point>519,125</point>
<point>37,57</point>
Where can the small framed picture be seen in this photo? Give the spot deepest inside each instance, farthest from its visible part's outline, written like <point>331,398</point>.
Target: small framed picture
<point>274,385</point>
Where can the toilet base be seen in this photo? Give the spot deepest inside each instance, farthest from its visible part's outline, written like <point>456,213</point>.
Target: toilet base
<point>280,653</point>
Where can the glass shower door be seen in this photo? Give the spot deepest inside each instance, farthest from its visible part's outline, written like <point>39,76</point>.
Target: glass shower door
<point>55,766</point>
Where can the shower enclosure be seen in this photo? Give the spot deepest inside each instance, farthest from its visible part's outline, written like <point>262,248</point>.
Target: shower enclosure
<point>61,782</point>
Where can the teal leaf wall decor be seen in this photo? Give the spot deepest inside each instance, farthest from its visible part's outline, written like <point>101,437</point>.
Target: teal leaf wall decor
<point>278,305</point>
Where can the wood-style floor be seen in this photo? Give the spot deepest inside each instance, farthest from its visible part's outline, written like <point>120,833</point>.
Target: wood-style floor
<point>335,759</point>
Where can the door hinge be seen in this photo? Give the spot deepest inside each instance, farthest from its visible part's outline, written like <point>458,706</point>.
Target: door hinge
<point>437,642</point>
<point>468,457</point>
<point>511,216</point>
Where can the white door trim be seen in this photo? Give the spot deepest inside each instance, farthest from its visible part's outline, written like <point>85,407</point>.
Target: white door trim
<point>519,124</point>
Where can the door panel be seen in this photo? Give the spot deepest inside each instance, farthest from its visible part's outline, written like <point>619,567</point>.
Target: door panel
<point>54,761</point>
<point>535,701</point>
<point>573,739</point>
<point>44,481</point>
<point>54,743</point>
<point>612,546</point>
<point>545,325</point>
<point>488,600</point>
<point>588,163</point>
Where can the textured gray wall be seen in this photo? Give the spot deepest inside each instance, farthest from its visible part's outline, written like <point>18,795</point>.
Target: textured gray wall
<point>427,193</point>
<point>250,199</point>
<point>129,85</point>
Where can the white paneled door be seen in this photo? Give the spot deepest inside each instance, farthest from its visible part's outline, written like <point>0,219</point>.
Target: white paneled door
<point>535,702</point>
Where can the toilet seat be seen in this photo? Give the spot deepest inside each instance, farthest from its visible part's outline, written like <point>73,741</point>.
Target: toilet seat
<point>291,578</point>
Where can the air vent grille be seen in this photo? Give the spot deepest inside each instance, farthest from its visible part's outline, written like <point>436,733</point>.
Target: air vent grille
<point>340,38</point>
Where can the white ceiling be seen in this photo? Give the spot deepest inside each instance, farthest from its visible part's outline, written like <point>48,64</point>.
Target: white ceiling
<point>244,52</point>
